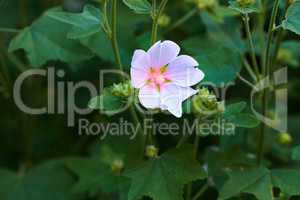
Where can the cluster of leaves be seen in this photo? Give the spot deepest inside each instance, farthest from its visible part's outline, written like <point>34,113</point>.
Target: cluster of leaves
<point>116,167</point>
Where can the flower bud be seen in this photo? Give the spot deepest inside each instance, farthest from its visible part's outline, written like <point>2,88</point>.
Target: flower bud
<point>205,103</point>
<point>291,2</point>
<point>151,151</point>
<point>284,139</point>
<point>117,166</point>
<point>205,4</point>
<point>245,2</point>
<point>284,55</point>
<point>164,20</point>
<point>122,89</point>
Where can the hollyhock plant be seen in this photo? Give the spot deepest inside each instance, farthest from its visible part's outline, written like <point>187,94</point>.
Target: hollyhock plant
<point>163,77</point>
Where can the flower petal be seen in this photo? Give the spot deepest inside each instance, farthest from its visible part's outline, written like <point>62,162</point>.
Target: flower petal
<point>149,97</point>
<point>138,77</point>
<point>182,71</point>
<point>162,53</point>
<point>139,67</point>
<point>172,97</point>
<point>140,60</point>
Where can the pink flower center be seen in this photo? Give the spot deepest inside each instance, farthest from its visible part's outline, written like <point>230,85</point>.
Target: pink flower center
<point>157,77</point>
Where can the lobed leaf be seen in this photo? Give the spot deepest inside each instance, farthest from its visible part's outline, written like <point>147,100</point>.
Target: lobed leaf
<point>254,7</point>
<point>292,20</point>
<point>139,6</point>
<point>49,181</point>
<point>163,178</point>
<point>46,39</point>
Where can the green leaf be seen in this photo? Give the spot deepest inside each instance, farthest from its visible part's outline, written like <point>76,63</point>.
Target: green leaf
<point>86,27</point>
<point>296,153</point>
<point>253,181</point>
<point>49,181</point>
<point>246,9</point>
<point>221,66</point>
<point>163,178</point>
<point>244,120</point>
<point>226,33</point>
<point>139,6</point>
<point>83,24</point>
<point>287,180</point>
<point>289,53</point>
<point>94,176</point>
<point>106,103</point>
<point>219,51</point>
<point>235,108</point>
<point>46,39</point>
<point>233,115</point>
<point>292,20</point>
<point>260,182</point>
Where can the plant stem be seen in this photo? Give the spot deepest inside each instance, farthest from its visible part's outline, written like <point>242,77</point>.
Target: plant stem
<point>106,26</point>
<point>116,50</point>
<point>156,15</point>
<point>181,141</point>
<point>201,192</point>
<point>9,30</point>
<point>245,81</point>
<point>266,74</point>
<point>252,48</point>
<point>266,67</point>
<point>249,70</point>
<point>114,40</point>
<point>183,19</point>
<point>280,36</point>
<point>196,146</point>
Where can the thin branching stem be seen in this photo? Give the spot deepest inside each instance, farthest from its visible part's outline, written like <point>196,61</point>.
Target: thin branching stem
<point>249,70</point>
<point>201,191</point>
<point>183,19</point>
<point>266,71</point>
<point>116,50</point>
<point>252,48</point>
<point>155,16</point>
<point>9,30</point>
<point>114,40</point>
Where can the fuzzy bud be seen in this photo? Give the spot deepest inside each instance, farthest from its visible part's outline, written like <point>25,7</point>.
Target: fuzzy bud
<point>205,103</point>
<point>122,89</point>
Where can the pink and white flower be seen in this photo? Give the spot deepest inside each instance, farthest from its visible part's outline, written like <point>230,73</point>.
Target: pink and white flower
<point>164,78</point>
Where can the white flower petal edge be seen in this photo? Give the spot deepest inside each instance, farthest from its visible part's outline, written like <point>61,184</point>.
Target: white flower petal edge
<point>162,53</point>
<point>149,97</point>
<point>139,68</point>
<point>172,97</point>
<point>182,71</point>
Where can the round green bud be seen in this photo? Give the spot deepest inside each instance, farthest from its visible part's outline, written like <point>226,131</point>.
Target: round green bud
<point>245,2</point>
<point>117,166</point>
<point>151,151</point>
<point>284,138</point>
<point>164,20</point>
<point>205,4</point>
<point>284,55</point>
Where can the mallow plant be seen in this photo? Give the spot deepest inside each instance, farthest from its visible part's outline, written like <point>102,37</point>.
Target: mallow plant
<point>175,60</point>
